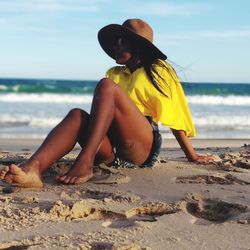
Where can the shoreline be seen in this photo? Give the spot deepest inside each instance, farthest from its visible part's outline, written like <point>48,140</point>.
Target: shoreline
<point>33,144</point>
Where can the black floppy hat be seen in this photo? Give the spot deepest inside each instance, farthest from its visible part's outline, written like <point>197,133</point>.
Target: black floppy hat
<point>135,29</point>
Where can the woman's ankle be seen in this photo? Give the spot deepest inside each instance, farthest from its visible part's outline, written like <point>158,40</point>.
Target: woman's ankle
<point>31,166</point>
<point>85,160</point>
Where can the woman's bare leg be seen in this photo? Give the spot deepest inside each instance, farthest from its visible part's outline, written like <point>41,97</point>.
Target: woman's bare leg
<point>112,110</point>
<point>59,142</point>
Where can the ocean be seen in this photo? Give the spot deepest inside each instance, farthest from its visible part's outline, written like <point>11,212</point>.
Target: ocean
<point>30,108</point>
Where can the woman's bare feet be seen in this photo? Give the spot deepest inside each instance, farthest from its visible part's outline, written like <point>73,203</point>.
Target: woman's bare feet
<point>80,173</point>
<point>21,176</point>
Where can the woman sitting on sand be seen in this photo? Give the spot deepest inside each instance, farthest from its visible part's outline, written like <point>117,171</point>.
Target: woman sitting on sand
<point>128,103</point>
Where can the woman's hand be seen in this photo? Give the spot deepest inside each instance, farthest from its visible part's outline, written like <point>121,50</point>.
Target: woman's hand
<point>206,159</point>
<point>189,150</point>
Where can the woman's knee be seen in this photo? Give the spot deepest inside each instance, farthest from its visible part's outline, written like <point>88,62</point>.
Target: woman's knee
<point>105,85</point>
<point>76,114</point>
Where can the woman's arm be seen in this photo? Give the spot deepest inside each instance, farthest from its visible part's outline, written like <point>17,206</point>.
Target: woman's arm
<point>188,149</point>
<point>185,144</point>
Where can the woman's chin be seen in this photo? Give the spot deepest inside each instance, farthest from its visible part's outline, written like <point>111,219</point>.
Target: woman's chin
<point>120,62</point>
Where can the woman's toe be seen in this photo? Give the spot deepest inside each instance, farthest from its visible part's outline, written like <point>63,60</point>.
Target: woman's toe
<point>72,180</point>
<point>61,178</point>
<point>67,180</point>
<point>3,172</point>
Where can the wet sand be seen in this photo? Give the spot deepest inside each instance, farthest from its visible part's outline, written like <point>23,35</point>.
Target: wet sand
<point>175,205</point>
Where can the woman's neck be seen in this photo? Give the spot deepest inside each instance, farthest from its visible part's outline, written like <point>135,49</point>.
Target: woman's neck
<point>133,64</point>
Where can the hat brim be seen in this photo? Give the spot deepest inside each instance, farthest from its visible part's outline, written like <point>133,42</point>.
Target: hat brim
<point>109,35</point>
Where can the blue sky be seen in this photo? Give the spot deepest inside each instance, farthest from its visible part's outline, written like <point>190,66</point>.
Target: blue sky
<point>208,41</point>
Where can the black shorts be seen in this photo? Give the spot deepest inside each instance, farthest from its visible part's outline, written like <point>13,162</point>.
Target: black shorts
<point>153,155</point>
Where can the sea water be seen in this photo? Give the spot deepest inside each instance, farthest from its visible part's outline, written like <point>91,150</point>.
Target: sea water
<point>30,108</point>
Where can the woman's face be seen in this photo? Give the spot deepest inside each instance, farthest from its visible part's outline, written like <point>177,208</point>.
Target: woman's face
<point>124,51</point>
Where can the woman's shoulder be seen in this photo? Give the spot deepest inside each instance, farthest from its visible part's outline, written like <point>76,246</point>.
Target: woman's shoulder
<point>115,70</point>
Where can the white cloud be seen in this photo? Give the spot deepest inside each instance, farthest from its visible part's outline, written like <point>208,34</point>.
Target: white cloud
<point>50,5</point>
<point>24,23</point>
<point>27,28</point>
<point>241,33</point>
<point>205,35</point>
<point>31,15</point>
<point>170,9</point>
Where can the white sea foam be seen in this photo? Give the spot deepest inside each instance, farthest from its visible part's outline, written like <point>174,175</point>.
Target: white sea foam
<point>215,121</point>
<point>17,120</point>
<point>45,98</point>
<point>20,117</point>
<point>83,98</point>
<point>3,87</point>
<point>232,121</point>
<point>34,115</point>
<point>219,100</point>
<point>23,136</point>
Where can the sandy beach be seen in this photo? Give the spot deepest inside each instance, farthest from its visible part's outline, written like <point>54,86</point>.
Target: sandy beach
<point>175,205</point>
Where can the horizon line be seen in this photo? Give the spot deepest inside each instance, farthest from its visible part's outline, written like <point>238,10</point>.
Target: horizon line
<point>93,80</point>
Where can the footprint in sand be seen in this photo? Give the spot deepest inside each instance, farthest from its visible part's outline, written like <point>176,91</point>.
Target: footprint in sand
<point>215,210</point>
<point>115,246</point>
<point>211,179</point>
<point>109,175</point>
<point>102,246</point>
<point>15,245</point>
<point>115,217</point>
<point>113,196</point>
<point>113,179</point>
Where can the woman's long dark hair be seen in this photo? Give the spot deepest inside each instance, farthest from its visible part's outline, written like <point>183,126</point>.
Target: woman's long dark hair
<point>149,67</point>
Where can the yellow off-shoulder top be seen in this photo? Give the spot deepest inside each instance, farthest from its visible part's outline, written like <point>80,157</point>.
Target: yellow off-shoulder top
<point>171,110</point>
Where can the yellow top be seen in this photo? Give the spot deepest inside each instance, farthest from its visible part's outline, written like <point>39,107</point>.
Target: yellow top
<point>171,110</point>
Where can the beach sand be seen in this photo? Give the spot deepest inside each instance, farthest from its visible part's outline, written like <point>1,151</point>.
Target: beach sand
<point>175,205</point>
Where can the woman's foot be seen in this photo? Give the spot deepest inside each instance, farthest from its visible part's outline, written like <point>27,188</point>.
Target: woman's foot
<point>22,177</point>
<point>78,174</point>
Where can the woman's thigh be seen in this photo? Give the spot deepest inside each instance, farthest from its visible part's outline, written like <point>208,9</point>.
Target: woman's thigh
<point>130,132</point>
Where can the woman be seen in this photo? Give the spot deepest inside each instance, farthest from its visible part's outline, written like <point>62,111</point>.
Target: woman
<point>127,106</point>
